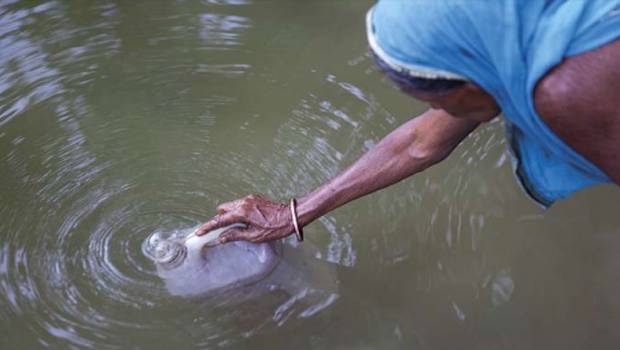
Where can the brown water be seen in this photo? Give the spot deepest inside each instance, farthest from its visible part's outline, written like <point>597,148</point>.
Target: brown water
<point>123,118</point>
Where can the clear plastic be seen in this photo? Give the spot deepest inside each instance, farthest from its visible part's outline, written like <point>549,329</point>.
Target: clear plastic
<point>190,266</point>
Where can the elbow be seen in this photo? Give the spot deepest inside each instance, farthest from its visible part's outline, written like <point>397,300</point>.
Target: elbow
<point>425,151</point>
<point>425,156</point>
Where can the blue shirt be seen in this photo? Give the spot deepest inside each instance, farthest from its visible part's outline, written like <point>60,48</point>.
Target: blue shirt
<point>506,47</point>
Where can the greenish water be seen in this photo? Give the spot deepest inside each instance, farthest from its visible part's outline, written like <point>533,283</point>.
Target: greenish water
<point>123,118</point>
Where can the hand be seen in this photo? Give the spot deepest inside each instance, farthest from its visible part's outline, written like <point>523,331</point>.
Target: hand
<point>265,220</point>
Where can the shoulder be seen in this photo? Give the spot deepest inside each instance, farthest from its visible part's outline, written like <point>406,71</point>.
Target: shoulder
<point>580,101</point>
<point>586,84</point>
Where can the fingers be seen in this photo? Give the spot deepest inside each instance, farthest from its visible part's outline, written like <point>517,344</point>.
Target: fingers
<point>228,213</point>
<point>219,221</point>
<point>232,205</point>
<point>232,235</point>
<point>228,206</point>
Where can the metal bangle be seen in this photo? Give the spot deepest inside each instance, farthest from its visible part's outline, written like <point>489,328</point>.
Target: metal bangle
<point>298,231</point>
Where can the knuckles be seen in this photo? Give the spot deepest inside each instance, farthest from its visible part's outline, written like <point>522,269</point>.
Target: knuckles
<point>252,197</point>
<point>245,207</point>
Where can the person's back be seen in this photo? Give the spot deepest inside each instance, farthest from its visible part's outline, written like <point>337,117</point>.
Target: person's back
<point>580,101</point>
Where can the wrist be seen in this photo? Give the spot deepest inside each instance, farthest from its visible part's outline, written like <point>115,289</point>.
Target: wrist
<point>307,210</point>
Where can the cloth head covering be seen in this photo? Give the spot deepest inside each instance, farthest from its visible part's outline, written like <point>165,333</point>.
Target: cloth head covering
<point>505,47</point>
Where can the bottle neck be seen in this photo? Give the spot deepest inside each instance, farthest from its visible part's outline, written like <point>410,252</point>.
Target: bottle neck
<point>170,254</point>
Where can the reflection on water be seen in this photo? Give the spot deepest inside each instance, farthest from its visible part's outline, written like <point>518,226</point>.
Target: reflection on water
<point>120,119</point>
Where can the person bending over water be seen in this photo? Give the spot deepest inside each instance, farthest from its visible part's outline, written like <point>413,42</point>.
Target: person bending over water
<point>552,68</point>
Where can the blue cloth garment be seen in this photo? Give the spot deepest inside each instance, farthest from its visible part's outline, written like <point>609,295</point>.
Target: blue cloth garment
<point>505,47</point>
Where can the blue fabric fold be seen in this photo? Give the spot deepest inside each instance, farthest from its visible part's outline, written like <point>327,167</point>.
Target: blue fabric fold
<point>506,47</point>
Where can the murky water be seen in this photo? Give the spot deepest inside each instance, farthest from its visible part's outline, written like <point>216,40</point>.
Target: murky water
<point>123,118</point>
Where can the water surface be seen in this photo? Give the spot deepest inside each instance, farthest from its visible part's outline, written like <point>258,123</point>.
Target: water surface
<point>123,118</point>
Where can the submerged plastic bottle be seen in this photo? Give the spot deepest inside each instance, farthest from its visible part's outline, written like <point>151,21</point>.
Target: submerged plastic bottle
<point>190,266</point>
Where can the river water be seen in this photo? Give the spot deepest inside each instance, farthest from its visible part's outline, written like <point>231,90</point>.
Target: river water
<point>123,118</point>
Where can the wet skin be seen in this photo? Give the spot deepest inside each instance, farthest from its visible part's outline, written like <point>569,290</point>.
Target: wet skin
<point>579,100</point>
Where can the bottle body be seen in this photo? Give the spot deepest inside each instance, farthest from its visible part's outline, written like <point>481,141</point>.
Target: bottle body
<point>192,267</point>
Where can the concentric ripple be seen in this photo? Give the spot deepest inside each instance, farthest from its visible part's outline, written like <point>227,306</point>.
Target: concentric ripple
<point>93,165</point>
<point>87,275</point>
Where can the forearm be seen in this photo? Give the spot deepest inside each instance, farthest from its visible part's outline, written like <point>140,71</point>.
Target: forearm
<point>411,148</point>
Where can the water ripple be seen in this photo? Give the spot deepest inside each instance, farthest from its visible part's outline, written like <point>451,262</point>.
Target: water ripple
<point>120,120</point>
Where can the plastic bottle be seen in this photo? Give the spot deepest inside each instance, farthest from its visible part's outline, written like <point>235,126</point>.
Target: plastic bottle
<point>190,266</point>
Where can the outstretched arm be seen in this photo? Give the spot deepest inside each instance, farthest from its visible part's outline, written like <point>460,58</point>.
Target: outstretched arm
<point>411,148</point>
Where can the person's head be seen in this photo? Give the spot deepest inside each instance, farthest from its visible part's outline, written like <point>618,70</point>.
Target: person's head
<point>458,97</point>
<point>442,89</point>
